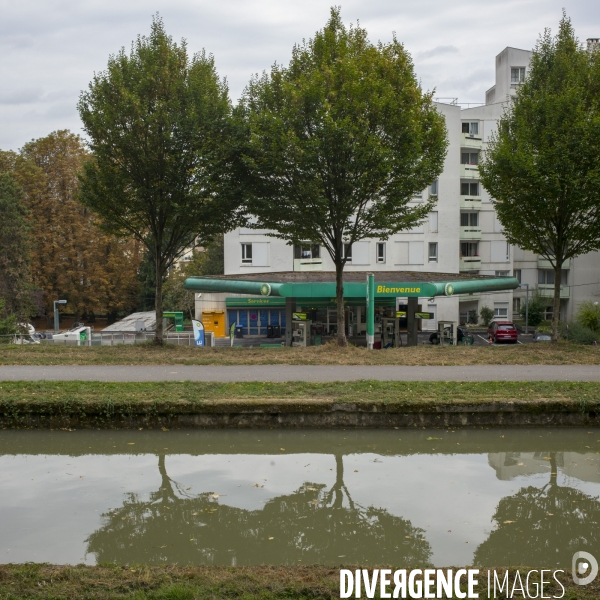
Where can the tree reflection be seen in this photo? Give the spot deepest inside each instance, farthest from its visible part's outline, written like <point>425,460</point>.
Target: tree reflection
<point>311,525</point>
<point>542,526</point>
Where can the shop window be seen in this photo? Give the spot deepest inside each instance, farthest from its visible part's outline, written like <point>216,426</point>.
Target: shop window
<point>433,252</point>
<point>247,253</point>
<point>380,252</point>
<point>469,189</point>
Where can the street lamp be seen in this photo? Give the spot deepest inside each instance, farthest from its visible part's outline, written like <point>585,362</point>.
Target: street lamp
<point>56,315</point>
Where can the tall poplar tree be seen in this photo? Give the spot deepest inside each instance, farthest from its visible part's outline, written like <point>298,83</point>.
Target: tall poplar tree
<point>159,126</point>
<point>341,141</point>
<point>542,166</point>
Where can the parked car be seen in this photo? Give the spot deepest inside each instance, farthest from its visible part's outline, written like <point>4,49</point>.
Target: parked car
<point>461,332</point>
<point>542,337</point>
<point>503,331</point>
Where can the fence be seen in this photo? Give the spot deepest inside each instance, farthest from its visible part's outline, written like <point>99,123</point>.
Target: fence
<point>112,338</point>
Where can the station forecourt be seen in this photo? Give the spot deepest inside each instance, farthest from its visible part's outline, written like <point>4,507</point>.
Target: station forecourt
<point>265,304</point>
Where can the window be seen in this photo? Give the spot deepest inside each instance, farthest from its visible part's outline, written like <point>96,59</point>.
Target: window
<point>433,252</point>
<point>502,273</point>
<point>516,305</point>
<point>469,219</point>
<point>500,310</point>
<point>433,188</point>
<point>307,251</point>
<point>380,249</point>
<point>347,252</point>
<point>469,248</point>
<point>517,74</point>
<point>518,275</point>
<point>469,189</point>
<point>247,253</point>
<point>469,158</point>
<point>471,128</point>
<point>546,276</point>
<point>507,251</point>
<point>433,222</point>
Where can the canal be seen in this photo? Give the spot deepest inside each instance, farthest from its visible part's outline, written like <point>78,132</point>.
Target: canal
<point>404,498</point>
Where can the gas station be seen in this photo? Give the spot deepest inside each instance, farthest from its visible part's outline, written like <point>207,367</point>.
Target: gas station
<point>302,305</point>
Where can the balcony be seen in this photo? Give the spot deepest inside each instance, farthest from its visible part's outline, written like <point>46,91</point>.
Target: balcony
<point>468,140</point>
<point>470,202</point>
<point>470,233</point>
<point>308,264</point>
<point>470,263</point>
<point>469,172</point>
<point>542,263</point>
<point>547,290</point>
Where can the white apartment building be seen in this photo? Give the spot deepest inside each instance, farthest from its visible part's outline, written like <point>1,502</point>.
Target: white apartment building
<point>461,235</point>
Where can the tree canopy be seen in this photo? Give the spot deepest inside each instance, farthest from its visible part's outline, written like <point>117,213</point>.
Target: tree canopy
<point>340,142</point>
<point>542,165</point>
<point>159,126</point>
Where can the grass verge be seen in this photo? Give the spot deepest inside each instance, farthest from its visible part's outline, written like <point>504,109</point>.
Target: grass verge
<point>146,354</point>
<point>34,581</point>
<point>70,394</point>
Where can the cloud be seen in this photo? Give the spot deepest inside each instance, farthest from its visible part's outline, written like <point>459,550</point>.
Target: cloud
<point>51,48</point>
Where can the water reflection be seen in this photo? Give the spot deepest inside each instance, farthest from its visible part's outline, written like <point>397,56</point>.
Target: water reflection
<point>312,525</point>
<point>542,526</point>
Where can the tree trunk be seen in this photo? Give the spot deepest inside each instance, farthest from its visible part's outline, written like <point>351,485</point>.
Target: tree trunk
<point>158,303</point>
<point>339,295</point>
<point>556,301</point>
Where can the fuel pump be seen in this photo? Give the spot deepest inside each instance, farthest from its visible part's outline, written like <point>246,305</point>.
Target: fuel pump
<point>390,333</point>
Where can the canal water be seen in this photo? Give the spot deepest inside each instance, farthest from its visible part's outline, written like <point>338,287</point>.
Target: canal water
<point>404,498</point>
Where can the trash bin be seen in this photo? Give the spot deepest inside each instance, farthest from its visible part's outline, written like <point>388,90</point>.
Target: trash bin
<point>239,332</point>
<point>468,340</point>
<point>276,331</point>
<point>269,331</point>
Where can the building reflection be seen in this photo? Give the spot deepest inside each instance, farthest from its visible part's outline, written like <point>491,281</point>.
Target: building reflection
<point>311,525</point>
<point>542,526</point>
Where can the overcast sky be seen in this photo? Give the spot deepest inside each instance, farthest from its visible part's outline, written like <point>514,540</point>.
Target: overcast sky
<point>49,49</point>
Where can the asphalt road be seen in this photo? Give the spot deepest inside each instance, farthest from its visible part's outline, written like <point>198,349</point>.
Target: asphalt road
<point>317,374</point>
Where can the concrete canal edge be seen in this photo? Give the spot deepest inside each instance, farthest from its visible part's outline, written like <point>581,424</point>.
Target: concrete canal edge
<point>296,414</point>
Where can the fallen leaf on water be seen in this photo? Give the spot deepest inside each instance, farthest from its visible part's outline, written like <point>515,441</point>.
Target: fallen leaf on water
<point>256,485</point>
<point>356,470</point>
<point>271,538</point>
<point>282,449</point>
<point>164,429</point>
<point>131,443</point>
<point>507,522</point>
<point>310,489</point>
<point>430,439</point>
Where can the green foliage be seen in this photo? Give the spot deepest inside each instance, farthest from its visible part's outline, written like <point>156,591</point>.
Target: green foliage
<point>15,245</point>
<point>579,334</point>
<point>208,262</point>
<point>588,315</point>
<point>542,165</point>
<point>340,141</point>
<point>8,321</point>
<point>163,143</point>
<point>536,310</point>
<point>486,314</point>
<point>472,317</point>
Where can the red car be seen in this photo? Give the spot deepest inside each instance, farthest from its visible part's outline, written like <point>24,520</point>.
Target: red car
<point>503,331</point>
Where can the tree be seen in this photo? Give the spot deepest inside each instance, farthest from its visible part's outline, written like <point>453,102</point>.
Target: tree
<point>160,131</point>
<point>340,142</point>
<point>542,165</point>
<point>70,256</point>
<point>536,311</point>
<point>588,315</point>
<point>15,245</point>
<point>210,261</point>
<point>486,314</point>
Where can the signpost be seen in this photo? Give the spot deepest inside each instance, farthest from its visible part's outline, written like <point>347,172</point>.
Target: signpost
<point>370,311</point>
<point>198,332</point>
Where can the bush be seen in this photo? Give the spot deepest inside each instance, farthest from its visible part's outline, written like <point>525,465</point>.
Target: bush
<point>486,314</point>
<point>579,334</point>
<point>472,317</point>
<point>537,309</point>
<point>588,315</point>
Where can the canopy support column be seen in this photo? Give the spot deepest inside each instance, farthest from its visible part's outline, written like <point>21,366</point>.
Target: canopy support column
<point>290,309</point>
<point>370,311</point>
<point>412,334</point>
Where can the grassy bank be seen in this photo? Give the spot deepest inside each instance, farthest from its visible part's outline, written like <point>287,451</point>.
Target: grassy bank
<point>113,582</point>
<point>147,354</point>
<point>70,394</point>
<point>82,404</point>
